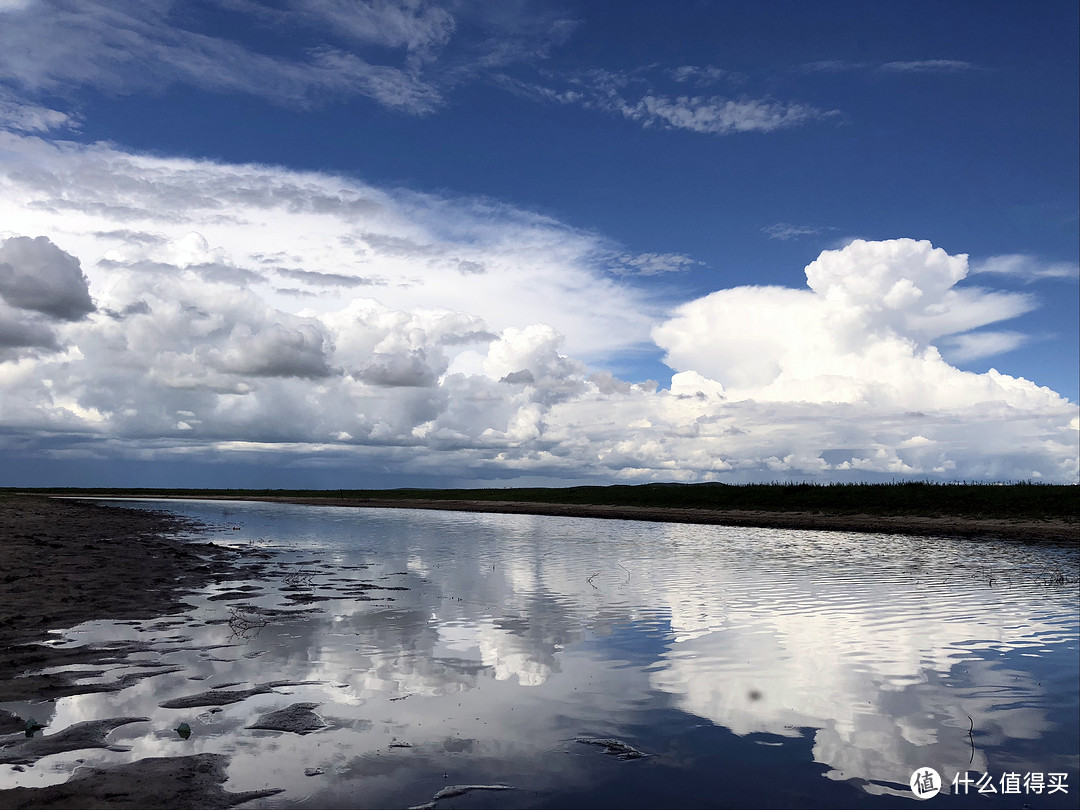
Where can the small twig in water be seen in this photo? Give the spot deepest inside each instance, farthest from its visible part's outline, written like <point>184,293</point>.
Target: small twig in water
<point>243,622</point>
<point>299,578</point>
<point>971,738</point>
<point>1055,577</point>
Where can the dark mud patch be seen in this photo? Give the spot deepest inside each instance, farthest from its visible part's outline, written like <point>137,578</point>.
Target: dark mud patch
<point>299,718</point>
<point>10,723</point>
<point>51,685</point>
<point>64,684</point>
<point>306,598</point>
<point>45,672</point>
<point>616,748</point>
<point>22,750</point>
<point>226,596</point>
<point>223,697</point>
<point>282,614</point>
<point>178,783</point>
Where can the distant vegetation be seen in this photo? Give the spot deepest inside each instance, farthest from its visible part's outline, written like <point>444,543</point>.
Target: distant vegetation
<point>1017,500</point>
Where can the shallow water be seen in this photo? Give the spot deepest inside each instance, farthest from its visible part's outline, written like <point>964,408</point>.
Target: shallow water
<point>754,667</point>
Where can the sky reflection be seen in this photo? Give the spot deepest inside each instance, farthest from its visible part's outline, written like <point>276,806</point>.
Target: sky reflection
<point>486,644</point>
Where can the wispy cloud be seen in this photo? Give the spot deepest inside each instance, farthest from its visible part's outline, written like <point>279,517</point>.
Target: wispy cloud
<point>916,66</point>
<point>831,66</point>
<point>637,96</point>
<point>652,264</point>
<point>318,279</point>
<point>25,116</point>
<point>419,28</point>
<point>785,230</point>
<point>123,46</point>
<point>1026,267</point>
<point>977,345</point>
<point>715,115</point>
<point>928,66</point>
<point>703,75</point>
<point>401,54</point>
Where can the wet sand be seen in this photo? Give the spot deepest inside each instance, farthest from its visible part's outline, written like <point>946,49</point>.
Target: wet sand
<point>177,783</point>
<point>66,562</point>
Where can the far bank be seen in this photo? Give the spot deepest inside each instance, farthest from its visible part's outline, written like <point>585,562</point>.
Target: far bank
<point>1024,511</point>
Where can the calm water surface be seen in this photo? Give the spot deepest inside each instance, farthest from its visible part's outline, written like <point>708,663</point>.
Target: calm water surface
<point>755,667</point>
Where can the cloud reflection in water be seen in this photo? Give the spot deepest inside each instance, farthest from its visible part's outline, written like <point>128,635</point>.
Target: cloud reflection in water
<point>517,634</point>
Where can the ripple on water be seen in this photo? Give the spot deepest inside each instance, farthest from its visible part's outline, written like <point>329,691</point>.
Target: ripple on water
<point>514,634</point>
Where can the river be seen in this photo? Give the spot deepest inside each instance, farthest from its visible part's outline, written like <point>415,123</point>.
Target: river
<point>605,663</point>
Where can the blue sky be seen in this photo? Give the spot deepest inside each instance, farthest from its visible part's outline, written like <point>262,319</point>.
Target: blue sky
<point>445,243</point>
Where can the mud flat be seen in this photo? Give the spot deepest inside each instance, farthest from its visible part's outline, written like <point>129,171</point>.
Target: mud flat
<point>67,562</point>
<point>179,783</point>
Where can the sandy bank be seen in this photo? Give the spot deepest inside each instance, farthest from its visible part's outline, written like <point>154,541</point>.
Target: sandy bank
<point>177,783</point>
<point>66,562</point>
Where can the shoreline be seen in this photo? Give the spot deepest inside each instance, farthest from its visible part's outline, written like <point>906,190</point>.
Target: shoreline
<point>69,562</point>
<point>1052,530</point>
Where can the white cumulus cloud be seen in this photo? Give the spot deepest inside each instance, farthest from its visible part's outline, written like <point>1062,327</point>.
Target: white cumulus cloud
<point>143,316</point>
<point>861,333</point>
